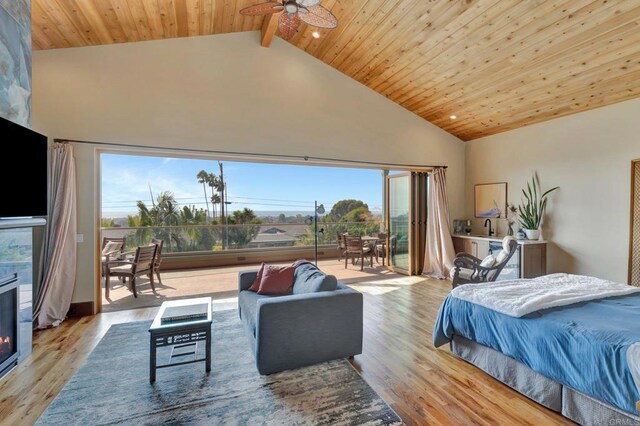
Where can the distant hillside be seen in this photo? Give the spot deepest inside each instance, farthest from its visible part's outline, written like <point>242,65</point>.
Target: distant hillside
<point>267,215</point>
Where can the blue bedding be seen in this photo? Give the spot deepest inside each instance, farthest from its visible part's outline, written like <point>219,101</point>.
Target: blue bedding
<point>583,346</point>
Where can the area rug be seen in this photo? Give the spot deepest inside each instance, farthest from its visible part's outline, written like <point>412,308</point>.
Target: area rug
<point>112,387</point>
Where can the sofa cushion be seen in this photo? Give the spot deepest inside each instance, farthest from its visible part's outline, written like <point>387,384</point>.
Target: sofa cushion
<point>276,280</point>
<point>465,273</point>
<point>502,256</point>
<point>488,261</point>
<point>248,302</point>
<point>309,279</point>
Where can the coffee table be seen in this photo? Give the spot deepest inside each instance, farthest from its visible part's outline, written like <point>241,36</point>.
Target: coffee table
<point>180,335</point>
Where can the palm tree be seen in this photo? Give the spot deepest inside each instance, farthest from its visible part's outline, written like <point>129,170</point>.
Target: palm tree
<point>203,178</point>
<point>200,238</point>
<point>154,221</point>
<point>215,199</point>
<point>216,184</point>
<point>168,210</point>
<point>247,227</point>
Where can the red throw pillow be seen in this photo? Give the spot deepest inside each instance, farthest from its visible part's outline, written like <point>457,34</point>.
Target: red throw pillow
<point>256,283</point>
<point>276,279</point>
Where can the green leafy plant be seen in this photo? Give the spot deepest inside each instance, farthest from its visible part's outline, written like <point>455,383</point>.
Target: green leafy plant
<point>531,210</point>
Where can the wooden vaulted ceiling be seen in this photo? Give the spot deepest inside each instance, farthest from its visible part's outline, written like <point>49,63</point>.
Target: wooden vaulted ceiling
<point>495,64</point>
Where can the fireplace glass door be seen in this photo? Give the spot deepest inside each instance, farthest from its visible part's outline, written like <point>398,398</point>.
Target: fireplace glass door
<point>8,321</point>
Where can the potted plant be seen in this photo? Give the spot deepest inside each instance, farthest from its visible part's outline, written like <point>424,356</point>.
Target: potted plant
<point>531,210</point>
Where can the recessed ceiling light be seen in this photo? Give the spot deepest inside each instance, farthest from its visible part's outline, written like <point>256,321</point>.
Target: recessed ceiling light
<point>453,117</point>
<point>315,34</point>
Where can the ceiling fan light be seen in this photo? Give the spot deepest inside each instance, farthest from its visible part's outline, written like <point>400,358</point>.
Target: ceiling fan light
<point>291,7</point>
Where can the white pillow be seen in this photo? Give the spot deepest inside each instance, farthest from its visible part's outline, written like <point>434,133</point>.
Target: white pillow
<point>488,261</point>
<point>110,247</point>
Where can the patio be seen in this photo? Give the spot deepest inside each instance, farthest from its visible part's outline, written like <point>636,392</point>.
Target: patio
<point>221,284</point>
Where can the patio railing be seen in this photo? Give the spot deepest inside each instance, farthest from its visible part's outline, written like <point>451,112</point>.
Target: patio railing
<point>220,238</point>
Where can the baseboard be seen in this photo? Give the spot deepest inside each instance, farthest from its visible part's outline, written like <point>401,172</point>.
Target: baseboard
<point>80,309</point>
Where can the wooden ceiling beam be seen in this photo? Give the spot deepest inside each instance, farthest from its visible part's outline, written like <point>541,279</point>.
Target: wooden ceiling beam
<point>269,27</point>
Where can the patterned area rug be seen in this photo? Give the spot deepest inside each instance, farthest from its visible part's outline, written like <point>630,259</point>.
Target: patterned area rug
<point>112,387</point>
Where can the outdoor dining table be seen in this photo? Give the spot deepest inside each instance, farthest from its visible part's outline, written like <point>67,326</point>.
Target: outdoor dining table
<point>372,242</point>
<point>367,239</point>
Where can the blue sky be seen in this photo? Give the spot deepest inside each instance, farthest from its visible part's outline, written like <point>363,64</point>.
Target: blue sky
<point>258,186</point>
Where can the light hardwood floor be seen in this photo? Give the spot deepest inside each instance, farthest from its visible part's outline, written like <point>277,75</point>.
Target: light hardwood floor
<point>424,385</point>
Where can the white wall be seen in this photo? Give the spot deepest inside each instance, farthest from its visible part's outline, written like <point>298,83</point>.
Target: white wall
<point>589,156</point>
<point>222,92</point>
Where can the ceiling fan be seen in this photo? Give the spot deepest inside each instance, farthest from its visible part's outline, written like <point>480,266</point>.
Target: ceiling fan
<point>294,12</point>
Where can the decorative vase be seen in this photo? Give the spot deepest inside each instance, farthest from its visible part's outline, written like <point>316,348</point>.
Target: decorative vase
<point>520,235</point>
<point>510,231</point>
<point>532,234</point>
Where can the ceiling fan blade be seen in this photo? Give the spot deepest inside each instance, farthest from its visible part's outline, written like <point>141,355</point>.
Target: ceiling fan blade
<point>262,9</point>
<point>320,17</point>
<point>288,25</point>
<point>307,3</point>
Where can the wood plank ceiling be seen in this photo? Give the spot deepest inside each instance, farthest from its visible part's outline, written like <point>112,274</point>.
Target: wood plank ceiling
<point>495,64</point>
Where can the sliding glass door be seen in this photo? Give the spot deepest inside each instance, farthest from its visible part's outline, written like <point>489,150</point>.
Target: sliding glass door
<point>406,218</point>
<point>399,221</point>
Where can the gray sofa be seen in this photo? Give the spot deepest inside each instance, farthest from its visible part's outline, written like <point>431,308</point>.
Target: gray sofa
<point>313,324</point>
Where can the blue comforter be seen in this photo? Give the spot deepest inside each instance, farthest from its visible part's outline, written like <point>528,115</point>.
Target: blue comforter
<point>583,346</point>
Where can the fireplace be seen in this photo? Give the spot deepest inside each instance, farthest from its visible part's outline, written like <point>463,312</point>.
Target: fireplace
<point>20,250</point>
<point>8,322</point>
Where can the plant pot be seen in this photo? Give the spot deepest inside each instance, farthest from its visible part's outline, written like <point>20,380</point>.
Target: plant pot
<point>532,234</point>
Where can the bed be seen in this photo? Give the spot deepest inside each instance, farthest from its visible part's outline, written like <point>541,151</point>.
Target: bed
<point>571,343</point>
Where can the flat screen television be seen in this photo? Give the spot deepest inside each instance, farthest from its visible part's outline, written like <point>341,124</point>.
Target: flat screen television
<point>23,171</point>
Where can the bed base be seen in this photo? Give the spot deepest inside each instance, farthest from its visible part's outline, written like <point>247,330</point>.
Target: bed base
<point>570,403</point>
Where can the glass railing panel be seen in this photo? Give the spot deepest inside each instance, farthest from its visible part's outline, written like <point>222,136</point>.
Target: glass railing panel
<point>204,238</point>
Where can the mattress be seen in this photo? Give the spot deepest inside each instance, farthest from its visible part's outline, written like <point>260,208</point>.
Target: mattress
<point>582,346</point>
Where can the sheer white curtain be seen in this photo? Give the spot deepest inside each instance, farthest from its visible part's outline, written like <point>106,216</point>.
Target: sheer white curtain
<point>439,251</point>
<point>59,258</point>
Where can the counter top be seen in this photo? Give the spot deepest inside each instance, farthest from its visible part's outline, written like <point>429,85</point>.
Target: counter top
<point>495,238</point>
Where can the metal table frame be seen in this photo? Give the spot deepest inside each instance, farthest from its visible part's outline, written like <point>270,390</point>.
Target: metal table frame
<point>180,335</point>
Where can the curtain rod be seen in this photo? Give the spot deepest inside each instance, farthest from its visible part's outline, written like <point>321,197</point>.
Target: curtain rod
<point>254,154</point>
